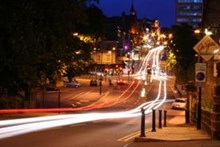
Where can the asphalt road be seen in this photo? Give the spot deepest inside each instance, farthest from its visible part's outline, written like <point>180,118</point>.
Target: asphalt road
<point>102,133</point>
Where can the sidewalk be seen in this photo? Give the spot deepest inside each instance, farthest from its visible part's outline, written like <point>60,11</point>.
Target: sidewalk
<point>176,130</point>
<point>180,133</point>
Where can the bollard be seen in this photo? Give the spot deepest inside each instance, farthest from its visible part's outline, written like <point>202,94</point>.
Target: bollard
<point>165,118</point>
<point>187,111</point>
<point>142,123</point>
<point>187,115</point>
<point>153,121</point>
<point>160,118</point>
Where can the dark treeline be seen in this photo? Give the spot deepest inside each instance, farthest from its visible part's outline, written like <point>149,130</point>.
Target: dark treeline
<point>36,42</point>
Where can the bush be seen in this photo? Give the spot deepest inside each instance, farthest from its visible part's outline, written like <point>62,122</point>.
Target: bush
<point>10,102</point>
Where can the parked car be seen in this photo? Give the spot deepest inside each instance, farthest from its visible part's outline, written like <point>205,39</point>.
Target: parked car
<point>74,84</point>
<point>179,103</point>
<point>93,82</point>
<point>120,81</point>
<point>51,87</point>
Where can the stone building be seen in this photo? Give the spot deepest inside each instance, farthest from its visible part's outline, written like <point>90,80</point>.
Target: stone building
<point>210,91</point>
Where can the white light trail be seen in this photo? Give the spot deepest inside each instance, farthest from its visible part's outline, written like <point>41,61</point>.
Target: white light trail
<point>21,126</point>
<point>70,119</point>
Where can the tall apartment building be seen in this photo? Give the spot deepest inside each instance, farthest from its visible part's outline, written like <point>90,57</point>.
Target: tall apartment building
<point>190,12</point>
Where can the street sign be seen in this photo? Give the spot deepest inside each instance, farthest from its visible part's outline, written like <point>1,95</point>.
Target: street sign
<point>206,48</point>
<point>217,56</point>
<point>200,73</point>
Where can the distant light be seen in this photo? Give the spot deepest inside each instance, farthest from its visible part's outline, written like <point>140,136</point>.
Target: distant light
<point>153,34</point>
<point>145,37</point>
<point>170,36</point>
<point>78,52</point>
<point>197,31</point>
<point>143,93</point>
<point>147,29</point>
<point>216,51</point>
<point>207,32</point>
<point>75,34</point>
<point>126,47</point>
<point>165,42</point>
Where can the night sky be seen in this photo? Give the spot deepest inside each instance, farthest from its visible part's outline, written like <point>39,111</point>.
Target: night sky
<point>164,10</point>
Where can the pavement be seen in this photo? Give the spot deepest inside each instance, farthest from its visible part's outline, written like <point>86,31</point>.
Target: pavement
<point>176,130</point>
<point>188,133</point>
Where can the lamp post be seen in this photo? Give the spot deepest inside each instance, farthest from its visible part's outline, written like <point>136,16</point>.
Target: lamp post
<point>44,89</point>
<point>59,98</point>
<point>128,73</point>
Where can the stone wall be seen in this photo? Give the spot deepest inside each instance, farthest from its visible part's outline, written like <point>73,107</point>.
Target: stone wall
<point>211,120</point>
<point>216,118</point>
<point>207,121</point>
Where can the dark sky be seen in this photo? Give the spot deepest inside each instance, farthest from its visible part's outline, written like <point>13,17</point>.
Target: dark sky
<point>164,10</point>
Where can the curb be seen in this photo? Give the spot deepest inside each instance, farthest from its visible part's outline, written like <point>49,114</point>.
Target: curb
<point>145,139</point>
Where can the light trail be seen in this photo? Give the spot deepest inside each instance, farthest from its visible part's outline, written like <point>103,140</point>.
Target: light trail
<point>27,125</point>
<point>63,120</point>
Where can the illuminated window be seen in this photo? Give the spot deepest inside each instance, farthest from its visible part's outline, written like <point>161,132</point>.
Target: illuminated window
<point>190,1</point>
<point>108,58</point>
<point>98,58</point>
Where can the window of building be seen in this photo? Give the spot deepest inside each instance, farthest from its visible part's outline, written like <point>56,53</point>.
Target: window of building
<point>190,1</point>
<point>187,13</point>
<point>108,59</point>
<point>98,58</point>
<point>183,20</point>
<point>196,20</point>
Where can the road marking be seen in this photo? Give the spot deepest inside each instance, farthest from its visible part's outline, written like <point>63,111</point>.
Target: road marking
<point>132,136</point>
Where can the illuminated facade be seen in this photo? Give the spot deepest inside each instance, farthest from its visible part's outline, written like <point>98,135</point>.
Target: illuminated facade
<point>190,12</point>
<point>105,54</point>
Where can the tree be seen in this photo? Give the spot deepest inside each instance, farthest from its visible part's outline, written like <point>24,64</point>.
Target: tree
<point>36,41</point>
<point>96,22</point>
<point>182,47</point>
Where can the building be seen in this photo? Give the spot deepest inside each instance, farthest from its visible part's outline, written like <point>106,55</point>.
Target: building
<point>211,18</point>
<point>206,114</point>
<point>190,12</point>
<point>105,54</point>
<point>126,34</point>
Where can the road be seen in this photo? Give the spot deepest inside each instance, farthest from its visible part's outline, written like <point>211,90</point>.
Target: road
<point>108,132</point>
<point>117,95</point>
<point>106,116</point>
